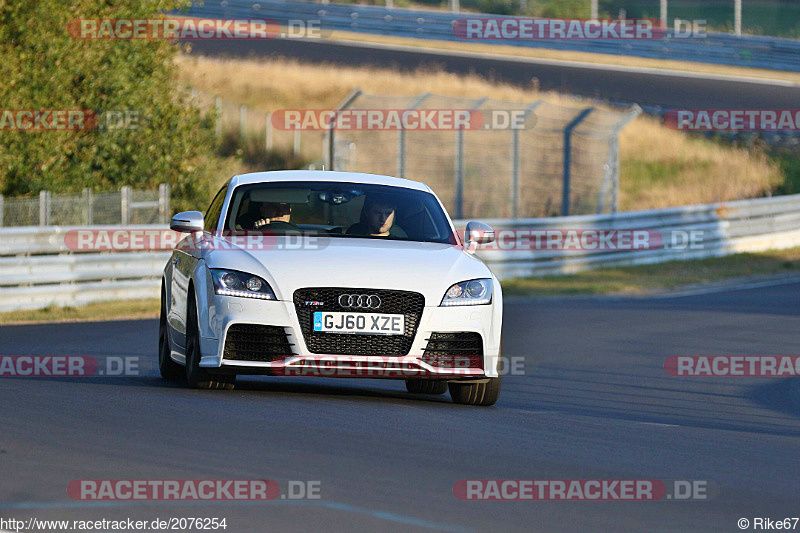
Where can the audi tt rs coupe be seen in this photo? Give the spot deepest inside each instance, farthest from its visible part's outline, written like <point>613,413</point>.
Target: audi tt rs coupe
<point>338,274</point>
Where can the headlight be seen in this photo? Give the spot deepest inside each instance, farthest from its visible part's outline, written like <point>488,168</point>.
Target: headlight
<point>473,292</point>
<point>232,283</point>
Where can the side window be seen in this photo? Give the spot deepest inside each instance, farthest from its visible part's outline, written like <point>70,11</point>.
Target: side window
<point>215,209</point>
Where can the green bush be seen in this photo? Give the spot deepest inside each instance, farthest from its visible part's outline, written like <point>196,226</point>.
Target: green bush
<point>43,67</point>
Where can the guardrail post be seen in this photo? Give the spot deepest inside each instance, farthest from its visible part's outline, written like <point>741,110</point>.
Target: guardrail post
<point>125,205</point>
<point>218,108</point>
<point>568,158</point>
<point>163,203</point>
<point>401,139</point>
<point>44,208</point>
<point>1,210</point>
<point>88,201</point>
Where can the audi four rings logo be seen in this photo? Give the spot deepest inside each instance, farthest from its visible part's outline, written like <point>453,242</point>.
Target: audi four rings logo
<point>360,301</point>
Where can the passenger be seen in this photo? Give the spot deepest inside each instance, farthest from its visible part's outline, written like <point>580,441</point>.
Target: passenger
<point>377,220</point>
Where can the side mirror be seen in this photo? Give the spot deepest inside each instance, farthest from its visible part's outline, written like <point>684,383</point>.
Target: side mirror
<point>478,233</point>
<point>187,222</point>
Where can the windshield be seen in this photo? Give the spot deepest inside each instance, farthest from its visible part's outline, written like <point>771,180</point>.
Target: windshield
<point>337,209</point>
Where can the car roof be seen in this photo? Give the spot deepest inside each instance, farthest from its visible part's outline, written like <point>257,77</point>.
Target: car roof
<point>325,175</point>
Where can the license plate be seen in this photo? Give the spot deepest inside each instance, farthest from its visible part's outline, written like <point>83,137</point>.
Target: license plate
<point>359,323</point>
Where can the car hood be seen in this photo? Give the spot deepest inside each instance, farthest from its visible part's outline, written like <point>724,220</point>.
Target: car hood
<point>294,262</point>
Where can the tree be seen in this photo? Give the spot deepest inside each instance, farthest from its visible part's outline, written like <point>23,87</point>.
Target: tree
<point>43,67</point>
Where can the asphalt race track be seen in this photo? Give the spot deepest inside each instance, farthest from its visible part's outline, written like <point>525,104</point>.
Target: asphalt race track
<point>649,89</point>
<point>594,403</point>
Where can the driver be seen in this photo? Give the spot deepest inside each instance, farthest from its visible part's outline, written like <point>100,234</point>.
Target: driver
<point>275,217</point>
<point>377,220</point>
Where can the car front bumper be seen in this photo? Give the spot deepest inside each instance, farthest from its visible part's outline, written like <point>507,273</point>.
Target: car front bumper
<point>485,320</point>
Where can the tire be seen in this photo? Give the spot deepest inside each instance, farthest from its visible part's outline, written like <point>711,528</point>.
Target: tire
<point>196,377</point>
<point>170,370</point>
<point>484,394</point>
<point>426,386</point>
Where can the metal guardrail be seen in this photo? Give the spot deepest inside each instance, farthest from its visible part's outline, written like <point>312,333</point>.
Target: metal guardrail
<point>37,268</point>
<point>720,48</point>
<point>723,229</point>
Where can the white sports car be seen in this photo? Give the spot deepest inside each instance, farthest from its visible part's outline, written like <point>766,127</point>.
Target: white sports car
<point>311,273</point>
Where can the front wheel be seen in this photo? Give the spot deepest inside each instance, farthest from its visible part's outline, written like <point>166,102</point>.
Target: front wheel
<point>197,377</point>
<point>475,393</point>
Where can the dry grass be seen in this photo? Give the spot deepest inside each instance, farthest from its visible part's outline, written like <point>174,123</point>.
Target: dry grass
<point>659,167</point>
<point>116,310</point>
<point>270,85</point>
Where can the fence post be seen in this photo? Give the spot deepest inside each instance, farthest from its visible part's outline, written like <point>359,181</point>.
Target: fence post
<point>163,203</point>
<point>663,13</point>
<point>349,99</point>
<point>737,17</point>
<point>401,139</point>
<point>44,208</point>
<point>125,205</point>
<point>612,166</point>
<point>568,158</point>
<point>89,203</point>
<point>1,210</point>
<point>458,201</point>
<point>593,14</point>
<point>218,107</point>
<point>268,132</point>
<point>514,193</point>
<point>242,120</point>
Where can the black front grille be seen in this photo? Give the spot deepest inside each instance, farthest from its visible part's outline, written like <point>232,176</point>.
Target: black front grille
<point>457,343</point>
<point>407,303</point>
<point>254,342</point>
<point>462,349</point>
